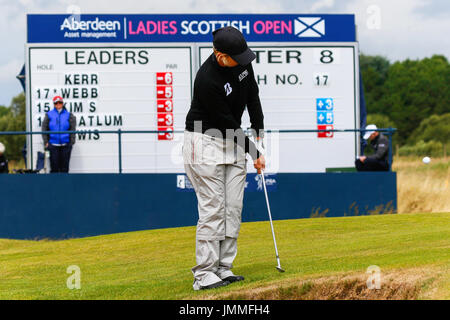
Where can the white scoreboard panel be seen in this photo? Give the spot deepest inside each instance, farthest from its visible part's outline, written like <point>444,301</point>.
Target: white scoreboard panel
<point>127,87</point>
<point>302,87</point>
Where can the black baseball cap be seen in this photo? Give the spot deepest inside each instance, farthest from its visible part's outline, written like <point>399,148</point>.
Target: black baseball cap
<point>231,41</point>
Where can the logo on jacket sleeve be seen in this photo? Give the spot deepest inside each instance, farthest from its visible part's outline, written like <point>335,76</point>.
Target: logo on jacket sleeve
<point>228,88</point>
<point>243,75</point>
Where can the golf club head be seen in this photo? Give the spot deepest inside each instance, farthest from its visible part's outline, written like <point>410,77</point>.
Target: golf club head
<point>280,269</point>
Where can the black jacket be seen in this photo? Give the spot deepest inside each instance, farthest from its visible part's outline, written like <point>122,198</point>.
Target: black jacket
<point>3,164</point>
<point>220,97</point>
<point>381,146</point>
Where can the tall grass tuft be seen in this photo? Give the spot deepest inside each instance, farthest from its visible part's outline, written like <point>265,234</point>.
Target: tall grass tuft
<point>421,187</point>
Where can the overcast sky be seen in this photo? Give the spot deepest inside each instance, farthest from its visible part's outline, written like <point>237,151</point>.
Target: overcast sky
<point>396,29</point>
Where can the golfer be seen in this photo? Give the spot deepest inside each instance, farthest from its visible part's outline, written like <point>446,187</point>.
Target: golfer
<point>214,153</point>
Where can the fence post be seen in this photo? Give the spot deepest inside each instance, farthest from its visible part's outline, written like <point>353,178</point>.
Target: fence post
<point>119,133</point>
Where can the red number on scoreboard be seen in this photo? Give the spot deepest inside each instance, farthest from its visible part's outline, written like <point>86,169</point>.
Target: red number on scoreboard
<point>164,92</point>
<point>325,134</point>
<point>165,119</point>
<point>164,78</point>
<point>165,135</point>
<point>164,105</point>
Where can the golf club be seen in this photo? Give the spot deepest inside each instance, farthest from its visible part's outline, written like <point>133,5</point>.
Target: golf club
<point>279,268</point>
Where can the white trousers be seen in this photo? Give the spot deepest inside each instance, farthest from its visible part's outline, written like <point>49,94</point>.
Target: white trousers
<point>217,170</point>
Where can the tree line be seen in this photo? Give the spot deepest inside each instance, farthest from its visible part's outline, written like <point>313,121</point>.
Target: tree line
<point>12,118</point>
<point>411,95</point>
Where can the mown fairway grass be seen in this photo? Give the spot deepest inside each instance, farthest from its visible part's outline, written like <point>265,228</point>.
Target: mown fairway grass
<point>156,264</point>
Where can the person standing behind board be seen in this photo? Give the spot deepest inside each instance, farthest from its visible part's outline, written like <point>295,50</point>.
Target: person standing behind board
<point>3,160</point>
<point>59,144</point>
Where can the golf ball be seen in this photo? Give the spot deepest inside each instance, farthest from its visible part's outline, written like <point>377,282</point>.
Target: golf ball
<point>426,160</point>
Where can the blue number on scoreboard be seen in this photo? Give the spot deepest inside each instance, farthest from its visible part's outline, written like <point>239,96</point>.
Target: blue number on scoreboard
<point>324,104</point>
<point>324,117</point>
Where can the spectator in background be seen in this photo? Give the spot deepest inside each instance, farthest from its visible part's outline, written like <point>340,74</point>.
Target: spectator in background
<point>379,160</point>
<point>3,161</point>
<point>59,144</point>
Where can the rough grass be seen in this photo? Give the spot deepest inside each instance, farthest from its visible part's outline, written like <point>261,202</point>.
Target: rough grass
<point>324,258</point>
<point>421,187</point>
<point>407,284</point>
<point>15,165</point>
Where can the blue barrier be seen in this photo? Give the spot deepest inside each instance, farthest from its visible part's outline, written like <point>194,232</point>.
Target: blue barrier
<point>61,206</point>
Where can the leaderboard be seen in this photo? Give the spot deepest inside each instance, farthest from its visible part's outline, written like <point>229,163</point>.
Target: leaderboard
<point>109,88</point>
<point>135,72</point>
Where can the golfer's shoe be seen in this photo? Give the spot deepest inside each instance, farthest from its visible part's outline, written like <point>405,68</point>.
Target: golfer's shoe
<point>232,279</point>
<point>215,285</point>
